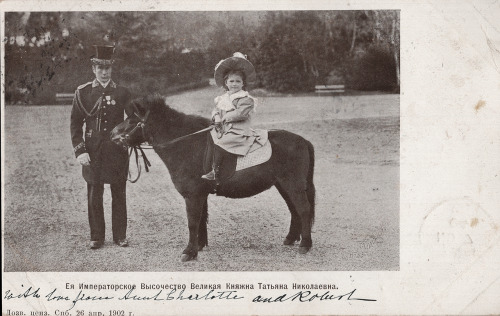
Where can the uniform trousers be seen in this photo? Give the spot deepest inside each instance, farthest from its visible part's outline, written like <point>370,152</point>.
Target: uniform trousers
<point>95,192</point>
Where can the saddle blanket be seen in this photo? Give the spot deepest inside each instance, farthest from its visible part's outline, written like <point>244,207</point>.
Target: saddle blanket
<point>255,157</point>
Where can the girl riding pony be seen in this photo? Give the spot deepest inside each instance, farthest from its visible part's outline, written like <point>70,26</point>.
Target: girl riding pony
<point>233,134</point>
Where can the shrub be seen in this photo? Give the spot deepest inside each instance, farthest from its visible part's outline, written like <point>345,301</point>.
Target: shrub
<point>374,70</point>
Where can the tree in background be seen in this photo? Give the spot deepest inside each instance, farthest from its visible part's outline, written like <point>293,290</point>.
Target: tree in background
<point>33,55</point>
<point>48,52</point>
<point>291,54</point>
<point>297,50</point>
<point>376,64</point>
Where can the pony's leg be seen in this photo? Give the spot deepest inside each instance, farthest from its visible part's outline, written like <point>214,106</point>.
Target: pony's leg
<point>202,231</point>
<point>297,196</point>
<point>295,224</point>
<point>194,207</point>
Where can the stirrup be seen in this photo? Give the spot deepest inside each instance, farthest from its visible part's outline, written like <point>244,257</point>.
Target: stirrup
<point>209,176</point>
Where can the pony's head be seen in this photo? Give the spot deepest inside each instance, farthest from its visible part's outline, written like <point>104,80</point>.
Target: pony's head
<point>134,130</point>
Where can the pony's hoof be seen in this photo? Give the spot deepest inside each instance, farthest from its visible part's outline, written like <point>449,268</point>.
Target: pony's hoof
<point>288,242</point>
<point>304,250</point>
<point>200,248</point>
<point>185,257</point>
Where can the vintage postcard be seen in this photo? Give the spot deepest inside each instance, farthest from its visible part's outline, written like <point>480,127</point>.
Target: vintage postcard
<point>250,158</point>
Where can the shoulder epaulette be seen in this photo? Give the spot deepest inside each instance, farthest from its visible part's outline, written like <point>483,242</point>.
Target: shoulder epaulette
<point>84,85</point>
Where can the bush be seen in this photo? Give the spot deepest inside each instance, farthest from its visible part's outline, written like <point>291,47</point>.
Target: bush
<point>33,77</point>
<point>290,57</point>
<point>374,70</point>
<point>283,79</point>
<point>12,95</point>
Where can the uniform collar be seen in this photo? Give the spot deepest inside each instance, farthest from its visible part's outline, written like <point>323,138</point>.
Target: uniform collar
<point>96,83</point>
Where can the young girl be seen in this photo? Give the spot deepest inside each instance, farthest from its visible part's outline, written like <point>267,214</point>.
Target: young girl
<point>232,113</point>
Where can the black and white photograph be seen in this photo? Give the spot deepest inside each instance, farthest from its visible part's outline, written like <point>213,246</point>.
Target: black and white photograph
<point>271,141</point>
<point>250,158</point>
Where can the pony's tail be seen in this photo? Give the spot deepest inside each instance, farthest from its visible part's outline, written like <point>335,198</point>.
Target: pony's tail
<point>311,190</point>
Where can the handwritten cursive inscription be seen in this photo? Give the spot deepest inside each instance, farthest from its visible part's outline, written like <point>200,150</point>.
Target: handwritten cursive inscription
<point>28,293</point>
<point>180,295</point>
<point>54,296</point>
<point>130,295</point>
<point>83,297</point>
<point>308,296</point>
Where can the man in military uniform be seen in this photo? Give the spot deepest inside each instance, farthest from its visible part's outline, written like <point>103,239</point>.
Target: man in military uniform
<point>100,105</point>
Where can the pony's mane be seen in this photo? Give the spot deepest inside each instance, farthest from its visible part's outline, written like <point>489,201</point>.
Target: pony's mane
<point>170,117</point>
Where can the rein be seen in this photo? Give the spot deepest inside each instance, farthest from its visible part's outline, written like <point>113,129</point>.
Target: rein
<point>147,164</point>
<point>135,149</point>
<point>185,136</point>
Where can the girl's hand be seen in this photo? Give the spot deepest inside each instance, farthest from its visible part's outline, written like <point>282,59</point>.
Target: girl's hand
<point>219,129</point>
<point>216,118</point>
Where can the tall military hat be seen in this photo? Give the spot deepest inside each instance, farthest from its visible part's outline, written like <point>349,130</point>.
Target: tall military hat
<point>103,55</point>
<point>236,62</point>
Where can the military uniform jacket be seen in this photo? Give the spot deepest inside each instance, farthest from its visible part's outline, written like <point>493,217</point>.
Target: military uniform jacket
<point>100,110</point>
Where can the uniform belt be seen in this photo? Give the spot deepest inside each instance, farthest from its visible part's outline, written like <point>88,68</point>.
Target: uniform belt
<point>95,133</point>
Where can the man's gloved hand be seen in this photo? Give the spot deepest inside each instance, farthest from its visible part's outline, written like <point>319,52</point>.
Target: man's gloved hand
<point>84,159</point>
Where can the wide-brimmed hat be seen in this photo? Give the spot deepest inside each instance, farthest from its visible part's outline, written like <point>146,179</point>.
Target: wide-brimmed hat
<point>237,62</point>
<point>103,55</point>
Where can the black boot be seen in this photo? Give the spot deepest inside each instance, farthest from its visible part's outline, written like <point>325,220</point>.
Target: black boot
<point>218,157</point>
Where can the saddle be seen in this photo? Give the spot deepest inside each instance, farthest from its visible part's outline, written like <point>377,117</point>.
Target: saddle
<point>233,163</point>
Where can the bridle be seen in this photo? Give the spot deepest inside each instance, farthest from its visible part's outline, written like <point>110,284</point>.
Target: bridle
<point>140,124</point>
<point>135,149</point>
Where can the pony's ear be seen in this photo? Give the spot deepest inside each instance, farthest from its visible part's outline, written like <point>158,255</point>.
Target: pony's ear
<point>155,100</point>
<point>157,96</point>
<point>138,107</point>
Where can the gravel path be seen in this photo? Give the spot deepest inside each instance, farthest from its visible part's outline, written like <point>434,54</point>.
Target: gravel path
<point>356,141</point>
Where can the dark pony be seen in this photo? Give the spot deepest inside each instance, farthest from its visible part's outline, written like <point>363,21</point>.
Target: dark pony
<point>290,169</point>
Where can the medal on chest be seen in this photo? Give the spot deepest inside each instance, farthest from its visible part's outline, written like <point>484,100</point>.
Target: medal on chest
<point>109,100</point>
